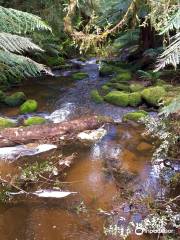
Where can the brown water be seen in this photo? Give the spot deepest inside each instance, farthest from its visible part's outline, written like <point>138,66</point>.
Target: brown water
<point>78,217</point>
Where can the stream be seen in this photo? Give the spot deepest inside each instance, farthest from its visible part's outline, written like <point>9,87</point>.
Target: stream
<point>101,196</point>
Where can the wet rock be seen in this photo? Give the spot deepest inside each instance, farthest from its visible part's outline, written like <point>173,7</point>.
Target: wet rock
<point>34,121</point>
<point>6,122</point>
<point>153,95</point>
<point>15,99</point>
<point>79,75</point>
<point>92,135</point>
<point>95,96</point>
<point>117,98</point>
<point>135,116</point>
<point>29,106</point>
<point>135,99</point>
<point>143,146</point>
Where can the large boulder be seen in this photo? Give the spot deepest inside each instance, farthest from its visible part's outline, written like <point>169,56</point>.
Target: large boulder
<point>34,121</point>
<point>117,98</point>
<point>153,95</point>
<point>135,99</point>
<point>95,96</point>
<point>6,122</point>
<point>29,106</point>
<point>135,116</point>
<point>15,99</point>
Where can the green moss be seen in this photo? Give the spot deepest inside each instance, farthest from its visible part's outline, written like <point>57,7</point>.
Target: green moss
<point>29,106</point>
<point>135,116</point>
<point>54,61</point>
<point>2,96</point>
<point>117,98</point>
<point>160,82</point>
<point>121,86</point>
<point>96,97</point>
<point>136,87</point>
<point>34,121</point>
<point>15,99</point>
<point>79,75</point>
<point>135,99</point>
<point>105,88</point>
<point>153,95</point>
<point>168,87</point>
<point>6,122</point>
<point>106,70</point>
<point>123,77</point>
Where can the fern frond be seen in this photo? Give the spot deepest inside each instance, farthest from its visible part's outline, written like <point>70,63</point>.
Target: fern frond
<point>18,22</point>
<point>171,108</point>
<point>13,65</point>
<point>173,23</point>
<point>171,55</point>
<point>17,44</point>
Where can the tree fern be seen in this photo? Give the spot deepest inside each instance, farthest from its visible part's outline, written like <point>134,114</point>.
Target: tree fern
<point>171,55</point>
<point>13,65</point>
<point>17,44</point>
<point>18,22</point>
<point>13,23</point>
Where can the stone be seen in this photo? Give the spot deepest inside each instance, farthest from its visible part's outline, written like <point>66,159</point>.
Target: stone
<point>29,106</point>
<point>15,99</point>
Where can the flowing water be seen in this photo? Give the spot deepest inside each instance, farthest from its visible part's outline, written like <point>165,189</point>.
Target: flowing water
<point>99,194</point>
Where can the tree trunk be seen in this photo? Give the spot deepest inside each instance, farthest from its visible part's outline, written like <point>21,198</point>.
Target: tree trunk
<point>49,133</point>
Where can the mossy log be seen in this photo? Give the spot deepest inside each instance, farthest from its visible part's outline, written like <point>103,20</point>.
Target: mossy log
<point>50,133</point>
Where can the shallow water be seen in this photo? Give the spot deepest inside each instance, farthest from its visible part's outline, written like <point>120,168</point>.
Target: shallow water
<point>78,217</point>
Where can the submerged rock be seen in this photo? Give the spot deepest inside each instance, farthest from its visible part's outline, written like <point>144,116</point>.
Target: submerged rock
<point>153,95</point>
<point>29,106</point>
<point>143,146</point>
<point>135,116</point>
<point>34,121</point>
<point>95,96</point>
<point>79,75</point>
<point>15,99</point>
<point>6,122</point>
<point>117,98</point>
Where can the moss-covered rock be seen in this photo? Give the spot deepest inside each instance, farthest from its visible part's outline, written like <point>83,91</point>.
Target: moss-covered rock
<point>168,87</point>
<point>96,97</point>
<point>135,99</point>
<point>2,96</point>
<point>160,82</point>
<point>79,75</point>
<point>121,87</point>
<point>106,70</point>
<point>153,95</point>
<point>28,106</point>
<point>117,98</point>
<point>136,87</point>
<point>6,122</point>
<point>105,88</point>
<point>135,116</point>
<point>34,121</point>
<point>15,99</point>
<point>122,77</point>
<point>54,61</point>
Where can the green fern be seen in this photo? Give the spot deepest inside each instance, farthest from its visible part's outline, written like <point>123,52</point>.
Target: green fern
<point>14,43</point>
<point>18,22</point>
<point>13,65</point>
<point>173,107</point>
<point>173,23</point>
<point>171,55</point>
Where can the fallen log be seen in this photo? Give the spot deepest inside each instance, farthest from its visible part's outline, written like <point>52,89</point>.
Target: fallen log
<point>51,132</point>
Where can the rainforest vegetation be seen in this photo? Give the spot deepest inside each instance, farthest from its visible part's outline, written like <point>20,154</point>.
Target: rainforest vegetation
<point>90,107</point>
